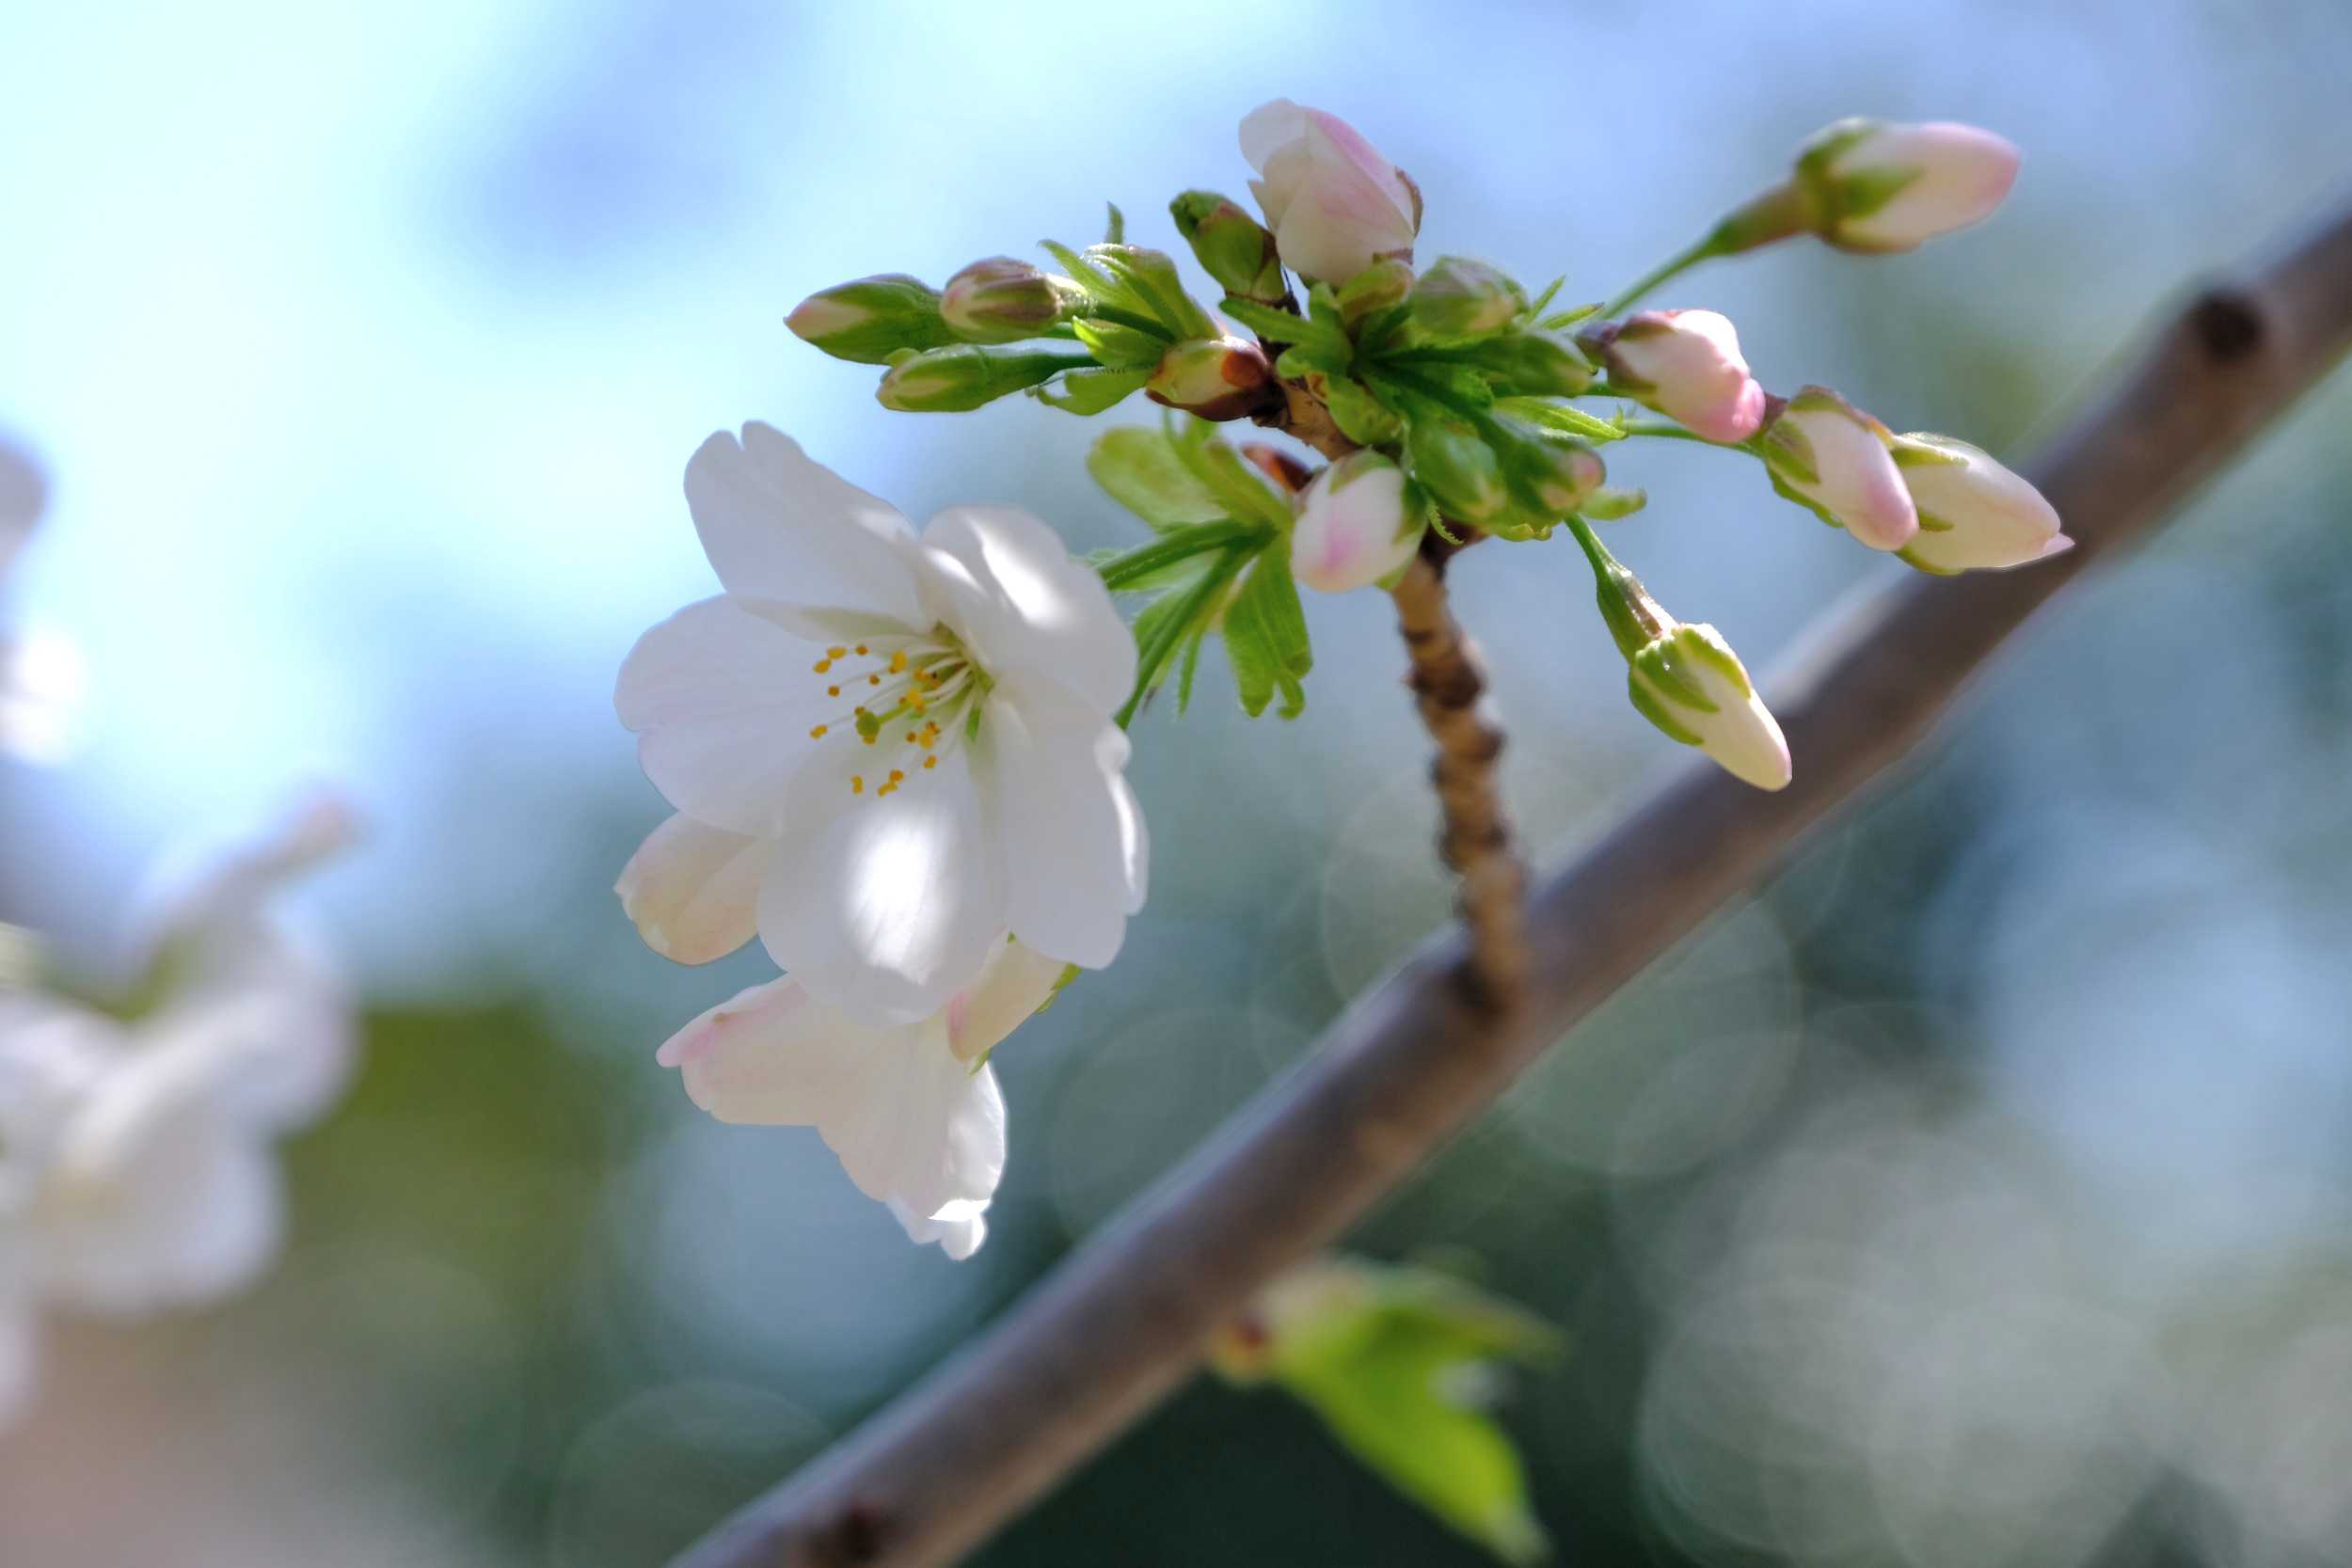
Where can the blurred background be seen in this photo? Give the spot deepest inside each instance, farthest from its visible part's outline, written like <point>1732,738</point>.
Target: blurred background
<point>1980,1193</point>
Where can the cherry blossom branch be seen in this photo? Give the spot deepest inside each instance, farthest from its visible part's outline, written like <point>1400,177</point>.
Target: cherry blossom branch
<point>1123,1319</point>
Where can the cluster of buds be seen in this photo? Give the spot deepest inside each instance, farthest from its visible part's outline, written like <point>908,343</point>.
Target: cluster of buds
<point>1460,390</point>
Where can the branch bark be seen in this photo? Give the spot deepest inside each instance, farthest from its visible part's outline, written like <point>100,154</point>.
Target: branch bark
<point>1121,1322</point>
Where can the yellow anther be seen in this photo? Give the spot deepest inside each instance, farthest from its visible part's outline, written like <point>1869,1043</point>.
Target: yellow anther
<point>899,662</point>
<point>837,653</point>
<point>857,784</point>
<point>930,762</point>
<point>821,665</point>
<point>861,650</point>
<point>914,700</point>
<point>873,680</point>
<point>818,733</point>
<point>896,775</point>
<point>911,737</point>
<point>833,691</point>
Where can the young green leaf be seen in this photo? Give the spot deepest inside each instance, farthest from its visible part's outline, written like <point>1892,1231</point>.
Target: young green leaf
<point>1266,635</point>
<point>1145,473</point>
<point>1090,391</point>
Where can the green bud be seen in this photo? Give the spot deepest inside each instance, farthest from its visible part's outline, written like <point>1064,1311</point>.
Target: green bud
<point>1460,298</point>
<point>1530,365</point>
<point>1232,246</point>
<point>872,319</point>
<point>1217,378</point>
<point>1003,300</point>
<point>963,376</point>
<point>1459,470</point>
<point>1552,471</point>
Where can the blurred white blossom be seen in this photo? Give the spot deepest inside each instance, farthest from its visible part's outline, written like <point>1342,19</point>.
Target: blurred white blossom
<point>137,1166</point>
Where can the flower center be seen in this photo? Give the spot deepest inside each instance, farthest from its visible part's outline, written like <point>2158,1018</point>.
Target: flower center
<point>917,699</point>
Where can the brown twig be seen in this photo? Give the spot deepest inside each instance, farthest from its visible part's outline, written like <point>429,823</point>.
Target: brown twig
<point>1121,1322</point>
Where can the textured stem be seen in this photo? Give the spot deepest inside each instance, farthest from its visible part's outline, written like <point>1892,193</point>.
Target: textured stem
<point>1475,838</point>
<point>1123,1319</point>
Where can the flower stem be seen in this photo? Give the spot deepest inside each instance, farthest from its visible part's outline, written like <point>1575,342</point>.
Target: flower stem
<point>1673,267</point>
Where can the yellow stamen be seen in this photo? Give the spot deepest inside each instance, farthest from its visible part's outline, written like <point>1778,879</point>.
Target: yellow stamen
<point>861,650</point>
<point>897,775</point>
<point>818,733</point>
<point>930,762</point>
<point>837,653</point>
<point>873,680</point>
<point>833,691</point>
<point>899,662</point>
<point>821,665</point>
<point>857,784</point>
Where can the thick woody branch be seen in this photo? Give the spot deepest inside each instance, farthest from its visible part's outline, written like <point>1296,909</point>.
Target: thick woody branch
<point>1123,1319</point>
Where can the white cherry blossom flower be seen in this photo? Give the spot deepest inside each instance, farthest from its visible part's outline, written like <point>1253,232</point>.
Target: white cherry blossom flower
<point>911,1108</point>
<point>1335,205</point>
<point>41,674</point>
<point>887,749</point>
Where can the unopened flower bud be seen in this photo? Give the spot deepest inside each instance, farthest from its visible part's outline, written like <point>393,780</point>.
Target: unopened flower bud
<point>963,376</point>
<point>1217,378</point>
<point>1232,246</point>
<point>1973,514</point>
<point>1360,522</point>
<point>1829,457</point>
<point>1460,298</point>
<point>872,319</point>
<point>1553,471</point>
<point>1458,468</point>
<point>1687,365</point>
<point>1880,186</point>
<point>1335,205</point>
<point>1003,300</point>
<point>1688,683</point>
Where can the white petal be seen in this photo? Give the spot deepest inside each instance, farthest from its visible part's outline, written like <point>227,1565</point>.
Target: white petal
<point>692,890</point>
<point>780,527</point>
<point>883,906</point>
<point>1054,792</point>
<point>157,1197</point>
<point>1037,610</point>
<point>1267,129</point>
<point>909,1122</point>
<point>960,1230</point>
<point>1017,981</point>
<point>723,701</point>
<point>19,1334</point>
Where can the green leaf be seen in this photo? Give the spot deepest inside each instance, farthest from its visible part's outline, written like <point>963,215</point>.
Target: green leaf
<point>1166,622</point>
<point>1119,347</point>
<point>1150,278</point>
<point>1281,326</point>
<point>1115,231</point>
<point>1235,485</point>
<point>1266,635</point>
<point>1563,418</point>
<point>1360,415</point>
<point>1143,470</point>
<point>1090,391</point>
<point>1131,570</point>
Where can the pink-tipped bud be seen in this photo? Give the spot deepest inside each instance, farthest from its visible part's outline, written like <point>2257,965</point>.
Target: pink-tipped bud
<point>1878,186</point>
<point>1973,514</point>
<point>1828,456</point>
<point>1360,522</point>
<point>1335,205</point>
<point>1687,365</point>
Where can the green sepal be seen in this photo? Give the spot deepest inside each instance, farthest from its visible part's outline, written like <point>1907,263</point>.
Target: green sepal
<point>1610,504</point>
<point>1645,702</point>
<point>1789,492</point>
<point>1563,418</point>
<point>1086,392</point>
<point>1114,233</point>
